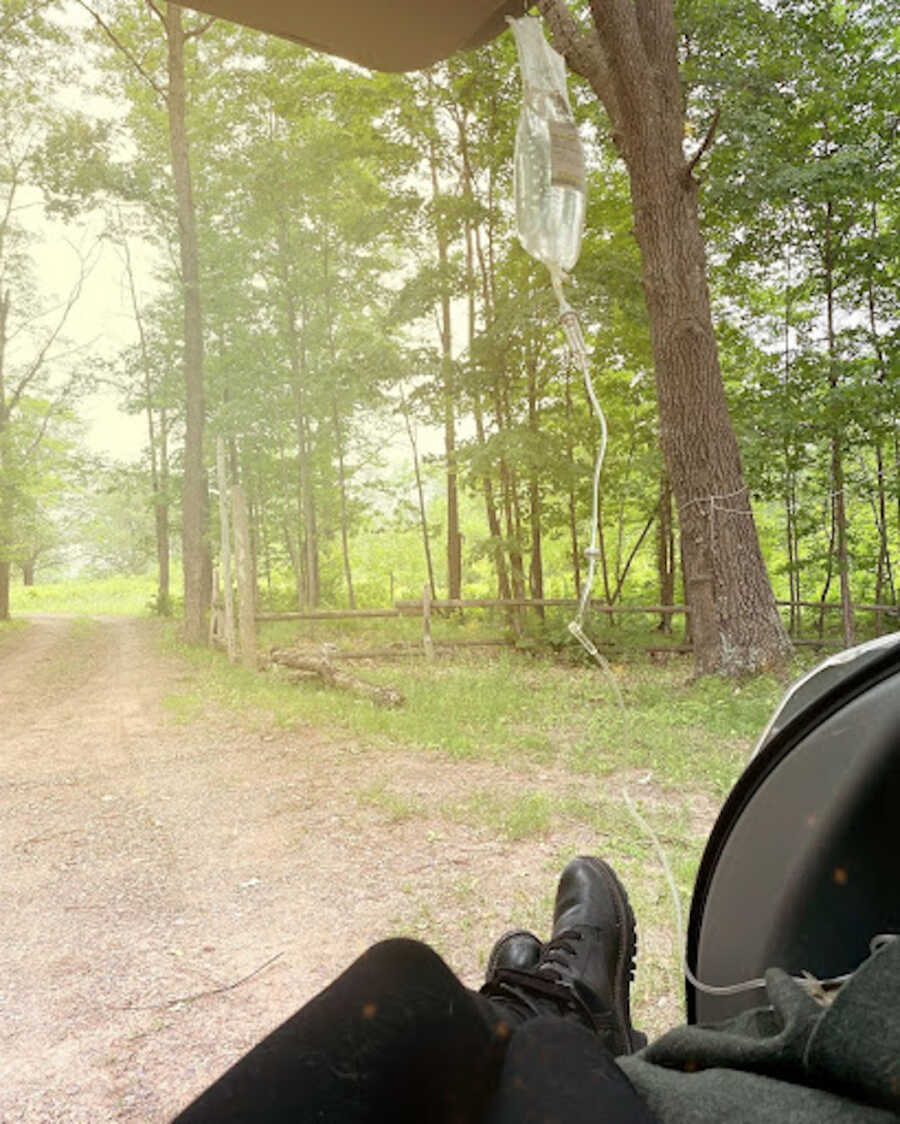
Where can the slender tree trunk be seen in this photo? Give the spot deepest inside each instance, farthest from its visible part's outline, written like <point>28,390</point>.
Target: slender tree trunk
<point>342,492</point>
<point>665,553</point>
<point>604,565</point>
<point>6,495</point>
<point>517,572</point>
<point>448,390</point>
<point>837,455</point>
<point>511,506</point>
<point>308,549</point>
<point>420,494</point>
<point>195,550</point>
<point>789,522</point>
<point>536,562</point>
<point>795,535</point>
<point>632,554</point>
<point>829,566</point>
<point>498,550</point>
<point>572,502</point>
<point>28,572</point>
<point>161,517</point>
<point>158,453</point>
<point>338,430</point>
<point>632,64</point>
<point>496,530</point>
<point>885,569</point>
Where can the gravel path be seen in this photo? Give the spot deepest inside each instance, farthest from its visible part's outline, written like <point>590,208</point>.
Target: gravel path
<point>171,891</point>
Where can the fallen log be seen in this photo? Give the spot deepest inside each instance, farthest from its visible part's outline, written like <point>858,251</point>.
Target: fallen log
<point>320,667</point>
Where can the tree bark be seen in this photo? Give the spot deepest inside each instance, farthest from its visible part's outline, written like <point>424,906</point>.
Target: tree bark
<point>632,65</point>
<point>448,389</point>
<point>420,495</point>
<point>490,506</point>
<point>338,428</point>
<point>6,496</point>
<point>536,562</point>
<point>4,589</point>
<point>161,519</point>
<point>837,452</point>
<point>572,503</point>
<point>665,553</point>
<point>246,579</point>
<point>885,568</point>
<point>225,545</point>
<point>307,556</point>
<point>158,451</point>
<point>194,501</point>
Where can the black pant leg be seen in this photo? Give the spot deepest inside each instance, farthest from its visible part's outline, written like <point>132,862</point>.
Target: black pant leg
<point>395,1038</point>
<point>558,1072</point>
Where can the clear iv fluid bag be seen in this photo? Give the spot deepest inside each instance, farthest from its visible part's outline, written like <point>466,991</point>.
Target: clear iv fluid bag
<point>549,161</point>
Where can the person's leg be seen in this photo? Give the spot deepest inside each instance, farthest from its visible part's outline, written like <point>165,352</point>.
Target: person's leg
<point>557,1072</point>
<point>395,1038</point>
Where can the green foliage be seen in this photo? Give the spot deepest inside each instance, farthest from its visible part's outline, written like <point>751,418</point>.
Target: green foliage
<point>340,213</point>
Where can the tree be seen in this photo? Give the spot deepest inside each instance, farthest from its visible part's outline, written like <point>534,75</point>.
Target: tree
<point>39,375</point>
<point>630,60</point>
<point>172,92</point>
<point>799,208</point>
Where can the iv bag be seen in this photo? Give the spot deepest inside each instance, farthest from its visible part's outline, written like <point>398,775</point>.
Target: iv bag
<point>549,162</point>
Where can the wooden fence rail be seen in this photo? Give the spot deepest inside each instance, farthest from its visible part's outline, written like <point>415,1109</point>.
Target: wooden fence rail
<point>415,608</point>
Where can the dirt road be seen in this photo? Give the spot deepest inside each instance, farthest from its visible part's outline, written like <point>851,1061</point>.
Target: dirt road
<point>171,891</point>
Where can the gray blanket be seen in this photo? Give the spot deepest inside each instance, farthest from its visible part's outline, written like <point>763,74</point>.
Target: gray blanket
<point>793,1061</point>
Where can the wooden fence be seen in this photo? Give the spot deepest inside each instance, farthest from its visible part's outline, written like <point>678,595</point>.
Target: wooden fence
<point>426,607</point>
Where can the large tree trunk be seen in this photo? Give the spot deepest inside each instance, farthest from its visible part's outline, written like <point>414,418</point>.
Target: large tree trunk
<point>632,66</point>
<point>194,505</point>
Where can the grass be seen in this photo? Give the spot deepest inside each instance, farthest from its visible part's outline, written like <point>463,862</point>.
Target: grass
<point>543,753</point>
<point>523,711</point>
<point>114,596</point>
<point>396,806</point>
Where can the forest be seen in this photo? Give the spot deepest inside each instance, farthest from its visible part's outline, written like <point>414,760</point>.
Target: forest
<point>321,269</point>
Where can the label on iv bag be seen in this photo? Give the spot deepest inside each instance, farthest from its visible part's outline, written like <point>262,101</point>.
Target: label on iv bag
<point>566,156</point>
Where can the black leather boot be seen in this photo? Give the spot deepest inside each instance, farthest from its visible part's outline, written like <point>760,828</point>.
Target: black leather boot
<point>516,949</point>
<point>585,969</point>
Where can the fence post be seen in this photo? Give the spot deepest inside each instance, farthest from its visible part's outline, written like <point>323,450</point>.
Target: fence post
<point>427,642</point>
<point>244,565</point>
